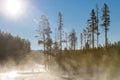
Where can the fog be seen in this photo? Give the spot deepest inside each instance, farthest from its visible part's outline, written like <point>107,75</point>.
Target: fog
<point>35,67</point>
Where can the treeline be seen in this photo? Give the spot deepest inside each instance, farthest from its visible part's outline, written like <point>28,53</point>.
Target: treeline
<point>12,47</point>
<point>90,54</point>
<point>89,37</point>
<point>91,60</point>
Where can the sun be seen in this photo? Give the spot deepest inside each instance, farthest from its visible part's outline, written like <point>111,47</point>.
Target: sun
<point>13,8</point>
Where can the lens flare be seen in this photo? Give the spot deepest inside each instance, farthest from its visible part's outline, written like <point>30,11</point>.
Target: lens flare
<point>13,8</point>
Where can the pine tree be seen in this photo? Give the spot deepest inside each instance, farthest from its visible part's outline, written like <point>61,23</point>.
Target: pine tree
<point>106,21</point>
<point>93,26</point>
<point>73,39</point>
<point>60,28</point>
<point>97,24</point>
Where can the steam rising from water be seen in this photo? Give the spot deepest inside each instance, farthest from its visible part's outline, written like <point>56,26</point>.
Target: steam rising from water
<point>32,68</point>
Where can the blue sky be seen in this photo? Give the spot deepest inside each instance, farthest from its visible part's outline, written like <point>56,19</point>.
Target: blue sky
<point>75,14</point>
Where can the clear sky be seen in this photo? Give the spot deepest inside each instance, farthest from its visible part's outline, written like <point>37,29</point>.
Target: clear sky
<point>75,14</point>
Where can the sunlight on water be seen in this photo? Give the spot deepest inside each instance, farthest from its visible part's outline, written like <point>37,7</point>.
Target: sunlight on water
<point>12,74</point>
<point>56,75</point>
<point>8,75</point>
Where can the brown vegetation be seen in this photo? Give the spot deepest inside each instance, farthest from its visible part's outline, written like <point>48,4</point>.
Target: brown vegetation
<point>12,47</point>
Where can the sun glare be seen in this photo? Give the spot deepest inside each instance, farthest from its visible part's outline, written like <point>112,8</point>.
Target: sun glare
<point>13,8</point>
<point>11,74</point>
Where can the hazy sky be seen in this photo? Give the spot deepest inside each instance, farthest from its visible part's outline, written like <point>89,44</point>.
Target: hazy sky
<point>75,14</point>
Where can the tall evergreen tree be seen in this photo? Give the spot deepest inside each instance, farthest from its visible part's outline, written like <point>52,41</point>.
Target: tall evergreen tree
<point>60,28</point>
<point>93,26</point>
<point>106,21</point>
<point>81,40</point>
<point>88,37</point>
<point>97,24</point>
<point>73,39</point>
<point>85,35</point>
<point>44,31</point>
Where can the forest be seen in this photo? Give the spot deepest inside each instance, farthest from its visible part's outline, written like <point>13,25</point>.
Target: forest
<point>62,53</point>
<point>13,47</point>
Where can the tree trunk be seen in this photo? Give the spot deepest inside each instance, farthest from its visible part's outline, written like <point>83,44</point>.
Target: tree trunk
<point>44,42</point>
<point>60,40</point>
<point>97,39</point>
<point>74,46</point>
<point>93,37</point>
<point>106,41</point>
